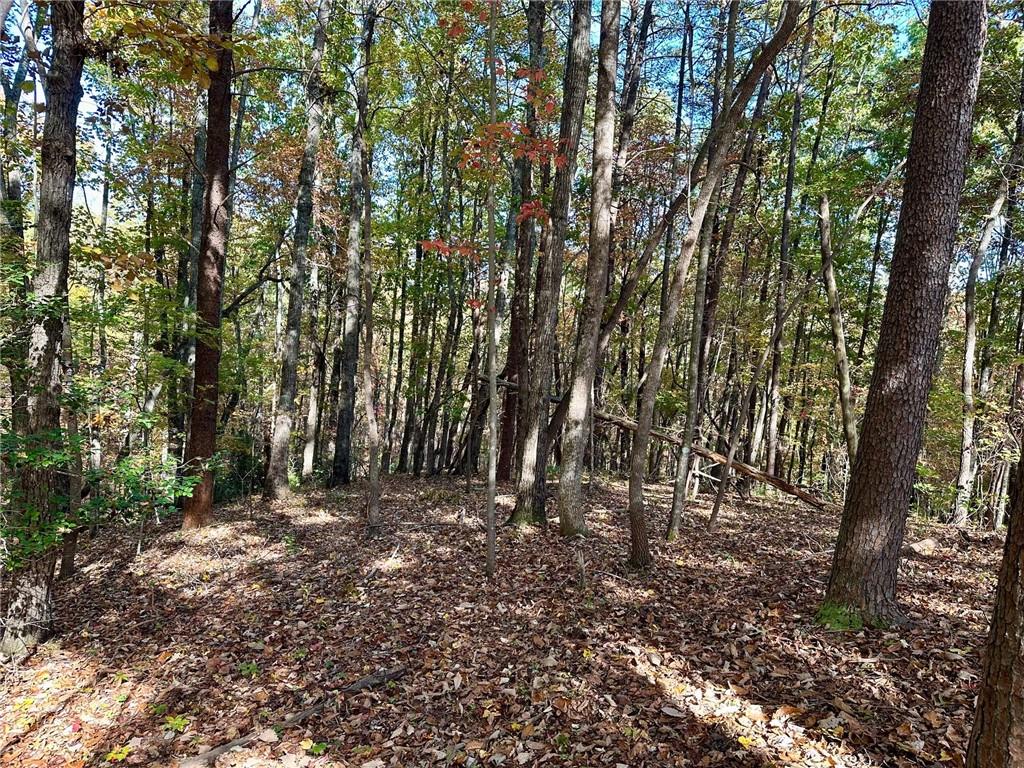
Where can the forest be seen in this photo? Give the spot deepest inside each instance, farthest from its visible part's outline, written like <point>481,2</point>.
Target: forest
<point>512,382</point>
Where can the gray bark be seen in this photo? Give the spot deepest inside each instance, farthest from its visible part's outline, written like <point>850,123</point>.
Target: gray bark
<point>276,482</point>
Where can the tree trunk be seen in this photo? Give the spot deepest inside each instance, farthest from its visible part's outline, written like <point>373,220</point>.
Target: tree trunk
<point>70,543</point>
<point>719,145</point>
<point>862,585</point>
<point>492,320</point>
<point>997,738</point>
<point>570,492</point>
<point>531,356</point>
<point>396,393</point>
<point>341,472</point>
<point>369,402</point>
<point>883,221</point>
<point>276,482</point>
<point>785,262</point>
<point>835,316</point>
<point>202,437</point>
<point>37,488</point>
<point>968,450</point>
<point>316,382</point>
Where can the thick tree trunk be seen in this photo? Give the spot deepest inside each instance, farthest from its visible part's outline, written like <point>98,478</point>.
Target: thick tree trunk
<point>997,738</point>
<point>202,439</point>
<point>341,472</point>
<point>570,491</point>
<point>38,489</point>
<point>862,585</point>
<point>275,485</point>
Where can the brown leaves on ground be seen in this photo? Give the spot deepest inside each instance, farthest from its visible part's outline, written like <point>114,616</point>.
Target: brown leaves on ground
<point>710,659</point>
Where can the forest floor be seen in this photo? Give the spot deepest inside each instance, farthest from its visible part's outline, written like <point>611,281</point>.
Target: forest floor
<point>712,658</point>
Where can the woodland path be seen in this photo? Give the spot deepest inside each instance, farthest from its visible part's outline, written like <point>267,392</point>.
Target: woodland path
<point>710,659</point>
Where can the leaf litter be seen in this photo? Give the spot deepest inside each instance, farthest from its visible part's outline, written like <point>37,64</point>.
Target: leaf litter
<point>712,658</point>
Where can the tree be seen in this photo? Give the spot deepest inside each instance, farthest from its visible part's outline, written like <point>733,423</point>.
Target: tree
<point>997,738</point>
<point>492,314</point>
<point>341,471</point>
<point>835,316</point>
<point>276,484</point>
<point>40,486</point>
<point>716,148</point>
<point>585,364</point>
<point>862,584</point>
<point>202,438</point>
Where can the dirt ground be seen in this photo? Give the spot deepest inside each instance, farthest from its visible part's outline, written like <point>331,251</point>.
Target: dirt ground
<point>711,658</point>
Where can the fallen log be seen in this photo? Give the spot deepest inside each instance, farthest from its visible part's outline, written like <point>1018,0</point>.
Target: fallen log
<point>743,469</point>
<point>370,681</point>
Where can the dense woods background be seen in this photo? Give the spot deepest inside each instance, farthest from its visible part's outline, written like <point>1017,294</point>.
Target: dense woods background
<point>705,253</point>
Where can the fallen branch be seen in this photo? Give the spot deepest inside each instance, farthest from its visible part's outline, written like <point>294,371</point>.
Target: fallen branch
<point>743,469</point>
<point>370,681</point>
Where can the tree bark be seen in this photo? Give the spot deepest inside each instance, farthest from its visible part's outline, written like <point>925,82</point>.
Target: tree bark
<point>997,738</point>
<point>835,316</point>
<point>492,319</point>
<point>862,584</point>
<point>570,492</point>
<point>316,379</point>
<point>202,439</point>
<point>275,485</point>
<point>785,262</point>
<point>37,488</point>
<point>341,472</point>
<point>373,522</point>
<point>968,450</point>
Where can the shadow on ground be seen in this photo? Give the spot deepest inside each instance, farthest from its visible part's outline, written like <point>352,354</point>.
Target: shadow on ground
<point>711,658</point>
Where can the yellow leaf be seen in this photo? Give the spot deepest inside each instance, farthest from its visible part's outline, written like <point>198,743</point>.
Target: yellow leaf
<point>745,741</point>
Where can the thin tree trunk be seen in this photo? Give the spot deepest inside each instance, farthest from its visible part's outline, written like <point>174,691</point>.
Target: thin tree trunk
<point>276,482</point>
<point>968,449</point>
<point>341,472</point>
<point>719,149</point>
<point>492,321</point>
<point>70,543</point>
<point>835,316</point>
<point>883,221</point>
<point>373,521</point>
<point>785,262</point>
<point>386,460</point>
<point>316,378</point>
